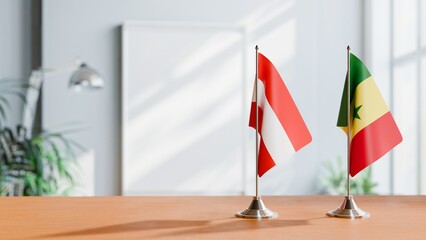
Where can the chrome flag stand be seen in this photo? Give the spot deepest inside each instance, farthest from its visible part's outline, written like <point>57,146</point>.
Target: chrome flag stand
<point>348,209</point>
<point>257,208</point>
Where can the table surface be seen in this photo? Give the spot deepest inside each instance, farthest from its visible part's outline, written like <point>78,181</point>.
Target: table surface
<point>300,217</point>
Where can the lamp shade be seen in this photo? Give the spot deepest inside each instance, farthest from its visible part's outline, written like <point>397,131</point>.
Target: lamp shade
<point>86,77</point>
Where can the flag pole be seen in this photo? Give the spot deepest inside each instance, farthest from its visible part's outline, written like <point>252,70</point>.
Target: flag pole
<point>348,89</point>
<point>257,208</point>
<point>348,209</point>
<point>257,122</point>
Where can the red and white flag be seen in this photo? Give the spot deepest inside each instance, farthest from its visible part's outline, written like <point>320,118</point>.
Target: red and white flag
<point>281,127</point>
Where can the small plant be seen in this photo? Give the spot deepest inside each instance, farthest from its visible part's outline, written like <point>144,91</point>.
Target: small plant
<point>335,177</point>
<point>38,165</point>
<point>41,165</point>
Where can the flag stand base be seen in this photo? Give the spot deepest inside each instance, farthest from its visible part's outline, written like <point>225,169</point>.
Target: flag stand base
<point>348,209</point>
<point>257,209</point>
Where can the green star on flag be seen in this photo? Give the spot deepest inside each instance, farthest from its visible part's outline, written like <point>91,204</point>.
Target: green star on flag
<point>356,115</point>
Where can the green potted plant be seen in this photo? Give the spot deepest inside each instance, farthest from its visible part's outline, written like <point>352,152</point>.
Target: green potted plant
<point>42,164</point>
<point>333,180</point>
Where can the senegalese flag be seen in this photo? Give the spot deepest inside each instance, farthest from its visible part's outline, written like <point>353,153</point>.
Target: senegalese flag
<point>373,129</point>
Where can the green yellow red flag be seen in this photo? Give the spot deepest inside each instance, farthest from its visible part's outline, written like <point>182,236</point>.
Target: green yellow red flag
<point>373,129</point>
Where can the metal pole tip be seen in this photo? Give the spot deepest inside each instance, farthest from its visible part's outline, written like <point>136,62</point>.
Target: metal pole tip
<point>349,48</point>
<point>257,47</point>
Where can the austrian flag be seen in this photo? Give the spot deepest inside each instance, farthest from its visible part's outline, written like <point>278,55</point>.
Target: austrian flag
<point>281,127</point>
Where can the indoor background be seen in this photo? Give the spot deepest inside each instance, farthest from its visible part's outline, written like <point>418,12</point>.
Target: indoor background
<point>172,117</point>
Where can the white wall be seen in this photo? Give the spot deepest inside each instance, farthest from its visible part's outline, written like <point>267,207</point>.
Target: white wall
<point>306,40</point>
<point>15,47</point>
<point>395,47</point>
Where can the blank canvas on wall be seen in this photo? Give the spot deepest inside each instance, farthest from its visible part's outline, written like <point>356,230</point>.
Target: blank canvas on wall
<point>183,102</point>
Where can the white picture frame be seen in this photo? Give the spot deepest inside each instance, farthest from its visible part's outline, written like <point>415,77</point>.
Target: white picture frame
<point>196,149</point>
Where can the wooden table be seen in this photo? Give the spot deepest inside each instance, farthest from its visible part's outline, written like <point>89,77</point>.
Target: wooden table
<point>301,217</point>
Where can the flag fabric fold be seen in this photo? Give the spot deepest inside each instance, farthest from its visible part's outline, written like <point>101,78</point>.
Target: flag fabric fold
<point>281,127</point>
<point>373,129</point>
